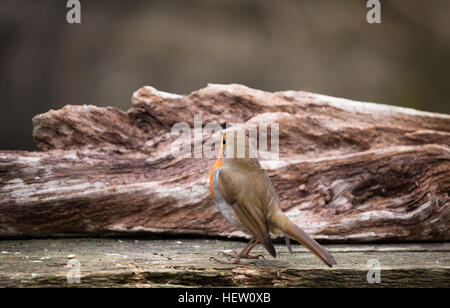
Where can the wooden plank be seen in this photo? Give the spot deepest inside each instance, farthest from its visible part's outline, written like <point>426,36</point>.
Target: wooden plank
<point>185,263</point>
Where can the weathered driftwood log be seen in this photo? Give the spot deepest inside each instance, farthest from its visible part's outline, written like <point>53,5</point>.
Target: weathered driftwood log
<point>348,171</point>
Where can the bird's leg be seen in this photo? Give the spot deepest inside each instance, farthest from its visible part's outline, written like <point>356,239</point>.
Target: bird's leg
<point>237,258</point>
<point>247,254</point>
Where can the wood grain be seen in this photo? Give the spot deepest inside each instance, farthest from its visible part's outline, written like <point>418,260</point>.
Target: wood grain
<point>348,171</point>
<point>185,263</point>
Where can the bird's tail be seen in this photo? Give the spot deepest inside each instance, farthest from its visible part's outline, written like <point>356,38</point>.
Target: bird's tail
<point>295,232</point>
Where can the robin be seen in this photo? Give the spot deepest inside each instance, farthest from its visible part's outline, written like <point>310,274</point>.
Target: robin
<point>244,194</point>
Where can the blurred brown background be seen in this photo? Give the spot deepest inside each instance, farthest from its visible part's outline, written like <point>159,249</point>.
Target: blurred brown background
<point>179,46</point>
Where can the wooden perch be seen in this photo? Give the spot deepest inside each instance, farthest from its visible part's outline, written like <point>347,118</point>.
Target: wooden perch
<point>166,263</point>
<point>348,171</point>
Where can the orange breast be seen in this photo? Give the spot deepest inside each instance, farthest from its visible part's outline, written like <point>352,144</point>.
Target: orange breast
<point>219,163</point>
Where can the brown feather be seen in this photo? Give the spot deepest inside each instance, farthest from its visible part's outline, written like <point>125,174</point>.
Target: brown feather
<point>295,232</point>
<point>288,243</point>
<point>245,203</point>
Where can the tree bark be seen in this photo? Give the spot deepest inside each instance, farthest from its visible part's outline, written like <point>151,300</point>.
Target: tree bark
<point>348,171</point>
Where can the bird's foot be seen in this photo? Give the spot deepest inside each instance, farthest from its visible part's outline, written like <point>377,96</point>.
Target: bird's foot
<point>233,261</point>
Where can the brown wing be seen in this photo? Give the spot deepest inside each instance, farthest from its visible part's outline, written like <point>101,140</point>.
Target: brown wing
<point>247,193</point>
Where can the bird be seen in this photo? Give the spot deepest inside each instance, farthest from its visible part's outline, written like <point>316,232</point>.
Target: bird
<point>246,197</point>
